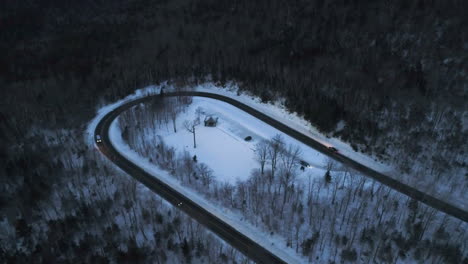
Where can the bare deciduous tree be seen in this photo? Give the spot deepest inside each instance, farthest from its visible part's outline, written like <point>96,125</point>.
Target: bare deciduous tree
<point>276,146</point>
<point>291,157</point>
<point>330,164</point>
<point>190,126</point>
<point>206,174</point>
<point>261,152</point>
<point>173,112</point>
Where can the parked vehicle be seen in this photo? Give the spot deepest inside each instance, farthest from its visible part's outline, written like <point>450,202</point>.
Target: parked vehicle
<point>304,164</point>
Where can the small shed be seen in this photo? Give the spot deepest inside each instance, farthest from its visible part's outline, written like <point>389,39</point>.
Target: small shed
<point>210,121</point>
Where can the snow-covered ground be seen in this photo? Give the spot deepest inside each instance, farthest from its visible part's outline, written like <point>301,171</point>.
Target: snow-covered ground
<point>223,147</point>
<point>271,242</point>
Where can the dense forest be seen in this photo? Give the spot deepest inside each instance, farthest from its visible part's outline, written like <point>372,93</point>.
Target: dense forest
<point>394,71</point>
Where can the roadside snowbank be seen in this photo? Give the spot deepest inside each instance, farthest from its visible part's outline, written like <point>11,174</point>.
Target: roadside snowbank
<point>102,111</point>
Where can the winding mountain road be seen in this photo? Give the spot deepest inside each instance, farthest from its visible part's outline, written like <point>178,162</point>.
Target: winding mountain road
<point>244,244</point>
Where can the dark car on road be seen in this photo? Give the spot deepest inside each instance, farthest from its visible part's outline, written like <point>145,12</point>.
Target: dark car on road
<point>333,149</point>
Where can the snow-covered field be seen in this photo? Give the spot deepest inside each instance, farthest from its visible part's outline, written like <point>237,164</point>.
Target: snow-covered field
<point>270,242</point>
<point>223,147</point>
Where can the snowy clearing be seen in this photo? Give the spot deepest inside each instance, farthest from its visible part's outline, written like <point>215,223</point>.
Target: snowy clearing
<point>235,220</point>
<point>223,147</point>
